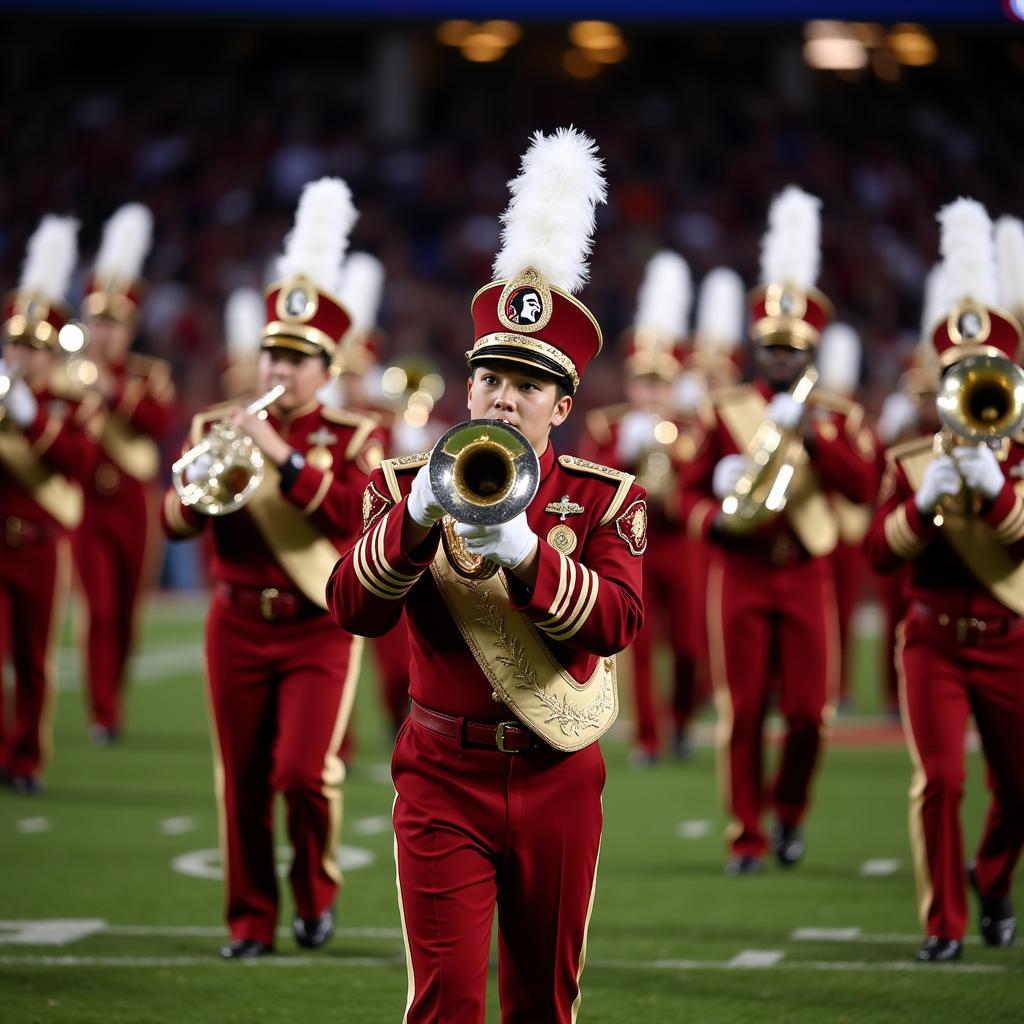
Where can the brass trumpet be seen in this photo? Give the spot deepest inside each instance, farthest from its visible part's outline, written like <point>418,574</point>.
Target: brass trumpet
<point>7,383</point>
<point>235,469</point>
<point>761,493</point>
<point>980,399</point>
<point>482,472</point>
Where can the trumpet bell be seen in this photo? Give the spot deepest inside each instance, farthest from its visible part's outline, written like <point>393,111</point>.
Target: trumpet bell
<point>981,398</point>
<point>234,472</point>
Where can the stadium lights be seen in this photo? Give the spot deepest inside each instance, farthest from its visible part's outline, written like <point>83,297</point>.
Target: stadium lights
<point>847,46</point>
<point>912,45</point>
<point>480,42</point>
<point>580,64</point>
<point>598,42</point>
<point>833,46</point>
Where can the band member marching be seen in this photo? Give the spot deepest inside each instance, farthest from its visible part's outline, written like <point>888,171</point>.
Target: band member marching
<point>46,448</point>
<point>952,507</point>
<point>498,774</point>
<point>282,676</point>
<point>771,598</point>
<point>115,545</point>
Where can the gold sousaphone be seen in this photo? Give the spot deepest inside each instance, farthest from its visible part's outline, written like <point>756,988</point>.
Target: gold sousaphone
<point>482,472</point>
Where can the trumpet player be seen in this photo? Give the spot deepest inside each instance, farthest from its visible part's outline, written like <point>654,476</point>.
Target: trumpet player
<point>771,596</point>
<point>116,546</point>
<point>954,513</point>
<point>282,677</point>
<point>647,436</point>
<point>45,449</point>
<point>497,768</point>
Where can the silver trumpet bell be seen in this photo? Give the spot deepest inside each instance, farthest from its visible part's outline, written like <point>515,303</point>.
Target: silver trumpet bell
<point>482,472</point>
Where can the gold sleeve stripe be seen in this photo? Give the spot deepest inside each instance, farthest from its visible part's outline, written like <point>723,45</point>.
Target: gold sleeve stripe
<point>695,522</point>
<point>382,564</point>
<point>321,492</point>
<point>900,537</point>
<point>363,573</point>
<point>562,584</point>
<point>1011,529</point>
<point>585,605</point>
<point>559,605</point>
<point>567,619</point>
<point>48,436</point>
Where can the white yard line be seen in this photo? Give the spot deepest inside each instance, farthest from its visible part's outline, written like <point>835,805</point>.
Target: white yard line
<point>693,829</point>
<point>856,935</point>
<point>208,931</point>
<point>879,867</point>
<point>34,825</point>
<point>147,668</point>
<point>177,826</point>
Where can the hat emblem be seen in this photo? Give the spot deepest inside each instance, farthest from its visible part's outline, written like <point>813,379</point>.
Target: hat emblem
<point>298,300</point>
<point>969,324</point>
<point>525,303</point>
<point>524,306</point>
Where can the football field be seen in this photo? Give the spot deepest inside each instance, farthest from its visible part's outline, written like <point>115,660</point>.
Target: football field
<point>111,899</point>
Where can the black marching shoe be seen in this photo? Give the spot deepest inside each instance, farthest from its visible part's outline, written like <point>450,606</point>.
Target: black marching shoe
<point>313,932</point>
<point>938,950</point>
<point>788,844</point>
<point>996,920</point>
<point>245,949</point>
<point>743,864</point>
<point>27,785</point>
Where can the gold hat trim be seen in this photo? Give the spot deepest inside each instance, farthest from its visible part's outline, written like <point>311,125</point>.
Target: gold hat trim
<point>531,345</point>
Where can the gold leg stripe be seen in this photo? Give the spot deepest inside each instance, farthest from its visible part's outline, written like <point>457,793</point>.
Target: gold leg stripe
<point>410,975</point>
<point>586,929</point>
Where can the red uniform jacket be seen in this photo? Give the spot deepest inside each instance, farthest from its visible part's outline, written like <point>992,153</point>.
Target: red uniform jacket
<point>842,453</point>
<point>586,604</point>
<point>340,449</point>
<point>938,576</point>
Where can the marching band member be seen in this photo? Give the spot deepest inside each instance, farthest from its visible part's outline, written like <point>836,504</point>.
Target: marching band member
<point>512,680</point>
<point>282,676</point>
<point>955,513</point>
<point>771,597</point>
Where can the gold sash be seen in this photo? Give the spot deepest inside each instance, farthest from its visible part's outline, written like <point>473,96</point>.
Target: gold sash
<point>807,510</point>
<point>853,520</point>
<point>133,453</point>
<point>972,539</point>
<point>304,553</point>
<point>57,495</point>
<point>520,667</point>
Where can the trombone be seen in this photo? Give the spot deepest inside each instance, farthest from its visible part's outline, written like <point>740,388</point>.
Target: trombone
<point>235,467</point>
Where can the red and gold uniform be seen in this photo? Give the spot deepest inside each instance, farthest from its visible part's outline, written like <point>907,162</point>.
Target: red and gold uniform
<point>282,677</point>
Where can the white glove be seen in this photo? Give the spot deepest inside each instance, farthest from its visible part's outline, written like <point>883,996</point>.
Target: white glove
<point>509,544</point>
<point>636,432</point>
<point>727,474</point>
<point>898,414</point>
<point>199,469</point>
<point>21,404</point>
<point>941,479</point>
<point>785,411</point>
<point>689,391</point>
<point>422,505</point>
<point>980,469</point>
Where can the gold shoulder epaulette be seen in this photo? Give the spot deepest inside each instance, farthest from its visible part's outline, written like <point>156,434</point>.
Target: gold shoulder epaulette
<point>348,418</point>
<point>623,480</point>
<point>915,446</point>
<point>401,464</point>
<point>599,421</point>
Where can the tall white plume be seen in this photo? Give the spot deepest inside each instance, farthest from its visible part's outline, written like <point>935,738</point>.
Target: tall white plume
<point>666,295</point>
<point>839,359</point>
<point>549,223</point>
<point>317,243</point>
<point>362,284</point>
<point>791,247</point>
<point>968,254</point>
<point>127,237</point>
<point>1010,254</point>
<point>933,301</point>
<point>50,258</point>
<point>720,311</point>
<point>244,317</point>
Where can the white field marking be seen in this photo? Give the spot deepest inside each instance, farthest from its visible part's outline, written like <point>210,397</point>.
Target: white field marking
<point>147,668</point>
<point>868,619</point>
<point>372,826</point>
<point>879,867</point>
<point>825,935</point>
<point>206,864</point>
<point>380,772</point>
<point>880,939</point>
<point>693,829</point>
<point>34,825</point>
<point>177,826</point>
<point>757,958</point>
<point>213,931</point>
<point>54,932</point>
<point>398,960</point>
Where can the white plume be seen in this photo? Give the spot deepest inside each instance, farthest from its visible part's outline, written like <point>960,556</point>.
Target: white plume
<point>839,359</point>
<point>244,318</point>
<point>362,284</point>
<point>549,222</point>
<point>666,295</point>
<point>50,258</point>
<point>968,254</point>
<point>791,247</point>
<point>720,311</point>
<point>127,237</point>
<point>934,306</point>
<point>316,245</point>
<point>1010,253</point>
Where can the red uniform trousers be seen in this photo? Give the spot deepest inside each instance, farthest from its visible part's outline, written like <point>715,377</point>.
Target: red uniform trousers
<point>34,578</point>
<point>943,682</point>
<point>475,827</point>
<point>111,549</point>
<point>670,602</point>
<point>895,606</point>
<point>849,567</point>
<point>392,653</point>
<point>763,617</point>
<point>281,693</point>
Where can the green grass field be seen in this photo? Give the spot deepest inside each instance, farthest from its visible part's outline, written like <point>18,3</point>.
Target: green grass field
<point>132,938</point>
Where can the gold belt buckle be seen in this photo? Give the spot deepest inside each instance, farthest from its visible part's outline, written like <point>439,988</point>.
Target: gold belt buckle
<point>499,737</point>
<point>266,598</point>
<point>965,626</point>
<point>12,531</point>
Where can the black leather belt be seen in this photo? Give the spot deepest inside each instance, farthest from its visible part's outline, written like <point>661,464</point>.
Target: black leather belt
<point>268,604</point>
<point>970,629</point>
<point>508,737</point>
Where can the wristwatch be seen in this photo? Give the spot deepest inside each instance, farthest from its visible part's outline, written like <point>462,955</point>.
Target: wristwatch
<point>290,469</point>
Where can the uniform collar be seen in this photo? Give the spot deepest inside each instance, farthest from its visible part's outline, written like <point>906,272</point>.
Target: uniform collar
<point>289,423</point>
<point>547,459</point>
